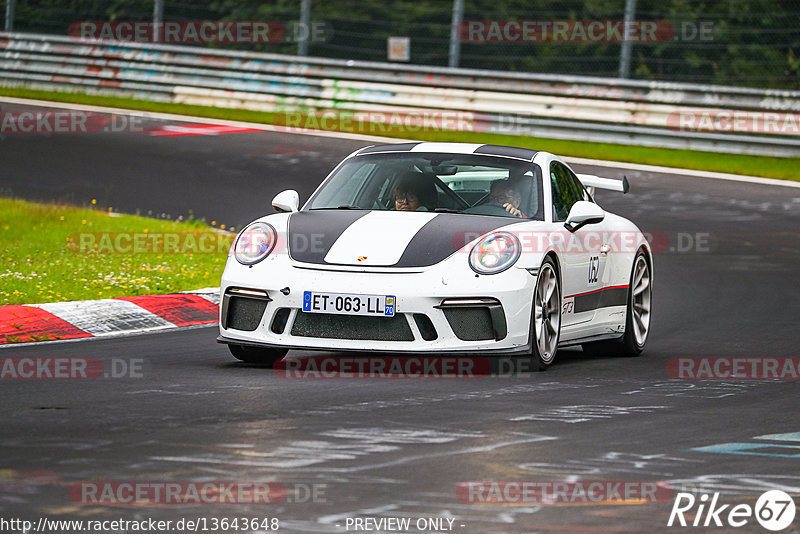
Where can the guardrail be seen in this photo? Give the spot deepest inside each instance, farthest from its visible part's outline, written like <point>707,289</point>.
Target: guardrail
<point>699,117</point>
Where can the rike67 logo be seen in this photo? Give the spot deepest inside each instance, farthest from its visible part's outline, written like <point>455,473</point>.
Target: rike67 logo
<point>774,510</point>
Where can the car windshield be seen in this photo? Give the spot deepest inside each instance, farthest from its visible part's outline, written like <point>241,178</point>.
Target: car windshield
<point>459,183</point>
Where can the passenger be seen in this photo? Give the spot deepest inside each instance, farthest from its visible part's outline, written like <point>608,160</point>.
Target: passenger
<point>501,192</point>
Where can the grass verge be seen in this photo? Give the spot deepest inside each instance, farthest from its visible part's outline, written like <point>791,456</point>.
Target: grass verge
<point>768,167</point>
<point>54,253</point>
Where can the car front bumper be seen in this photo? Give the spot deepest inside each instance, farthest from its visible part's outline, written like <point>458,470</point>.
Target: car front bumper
<point>459,305</point>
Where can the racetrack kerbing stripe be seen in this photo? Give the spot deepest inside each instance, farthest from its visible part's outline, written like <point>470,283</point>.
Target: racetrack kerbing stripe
<point>29,323</point>
<point>180,310</point>
<point>104,317</point>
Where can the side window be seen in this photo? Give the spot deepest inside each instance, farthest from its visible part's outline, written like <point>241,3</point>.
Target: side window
<point>579,185</point>
<point>567,190</point>
<point>351,190</point>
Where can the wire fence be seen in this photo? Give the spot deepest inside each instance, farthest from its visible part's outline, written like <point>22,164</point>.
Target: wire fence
<point>753,43</point>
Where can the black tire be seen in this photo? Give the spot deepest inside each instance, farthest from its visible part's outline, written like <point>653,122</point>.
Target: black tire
<point>536,360</point>
<point>628,345</point>
<point>261,356</point>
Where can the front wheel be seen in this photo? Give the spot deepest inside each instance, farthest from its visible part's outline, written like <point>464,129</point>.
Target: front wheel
<point>545,318</point>
<point>637,316</point>
<point>262,356</point>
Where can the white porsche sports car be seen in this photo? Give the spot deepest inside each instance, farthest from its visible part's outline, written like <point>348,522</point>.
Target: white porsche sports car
<point>440,248</point>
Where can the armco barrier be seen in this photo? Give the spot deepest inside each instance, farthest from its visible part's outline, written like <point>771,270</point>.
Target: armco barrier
<point>553,106</point>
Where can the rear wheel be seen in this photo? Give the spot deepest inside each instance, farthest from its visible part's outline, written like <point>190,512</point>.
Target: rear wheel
<point>637,317</point>
<point>262,356</point>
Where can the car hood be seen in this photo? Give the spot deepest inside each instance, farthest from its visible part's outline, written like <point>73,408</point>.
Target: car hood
<point>384,238</point>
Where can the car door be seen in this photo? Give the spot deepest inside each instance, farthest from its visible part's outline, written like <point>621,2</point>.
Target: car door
<point>582,254</point>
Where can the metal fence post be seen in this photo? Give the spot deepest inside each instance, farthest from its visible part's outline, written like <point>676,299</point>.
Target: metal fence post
<point>10,5</point>
<point>625,51</point>
<point>305,27</point>
<point>158,18</point>
<point>455,42</point>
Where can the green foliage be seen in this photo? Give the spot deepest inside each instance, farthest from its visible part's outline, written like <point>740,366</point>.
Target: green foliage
<point>44,259</point>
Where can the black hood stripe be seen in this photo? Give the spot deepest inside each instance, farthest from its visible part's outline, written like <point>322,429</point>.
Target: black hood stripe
<point>313,233</point>
<point>445,234</point>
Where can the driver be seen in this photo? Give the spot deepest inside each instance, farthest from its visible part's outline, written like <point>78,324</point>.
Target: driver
<point>410,195</point>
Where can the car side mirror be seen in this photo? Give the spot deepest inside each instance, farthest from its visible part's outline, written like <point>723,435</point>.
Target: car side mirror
<point>582,213</point>
<point>286,201</point>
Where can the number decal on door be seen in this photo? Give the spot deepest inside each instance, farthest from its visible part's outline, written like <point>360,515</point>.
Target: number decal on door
<point>594,269</point>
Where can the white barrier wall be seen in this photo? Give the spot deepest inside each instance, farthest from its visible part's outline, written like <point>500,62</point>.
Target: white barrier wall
<point>722,119</point>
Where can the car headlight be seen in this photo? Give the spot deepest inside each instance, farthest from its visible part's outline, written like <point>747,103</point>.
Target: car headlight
<point>495,253</point>
<point>255,243</point>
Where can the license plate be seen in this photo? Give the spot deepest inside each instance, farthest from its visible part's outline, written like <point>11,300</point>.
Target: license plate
<point>346,304</point>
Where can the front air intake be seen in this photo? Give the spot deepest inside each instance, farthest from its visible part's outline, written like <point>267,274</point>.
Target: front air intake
<point>242,309</point>
<point>475,319</point>
<point>332,326</point>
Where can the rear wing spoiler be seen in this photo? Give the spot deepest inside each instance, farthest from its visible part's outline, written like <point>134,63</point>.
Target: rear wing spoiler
<point>590,181</point>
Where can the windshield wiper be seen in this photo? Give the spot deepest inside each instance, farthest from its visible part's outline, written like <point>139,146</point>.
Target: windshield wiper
<point>446,210</point>
<point>342,207</point>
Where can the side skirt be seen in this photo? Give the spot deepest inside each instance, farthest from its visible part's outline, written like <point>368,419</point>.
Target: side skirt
<point>601,337</point>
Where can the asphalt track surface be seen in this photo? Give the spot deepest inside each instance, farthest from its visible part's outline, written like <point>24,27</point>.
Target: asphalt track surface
<point>399,448</point>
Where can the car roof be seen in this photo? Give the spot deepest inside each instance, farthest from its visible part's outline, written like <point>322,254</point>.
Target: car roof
<point>524,154</point>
